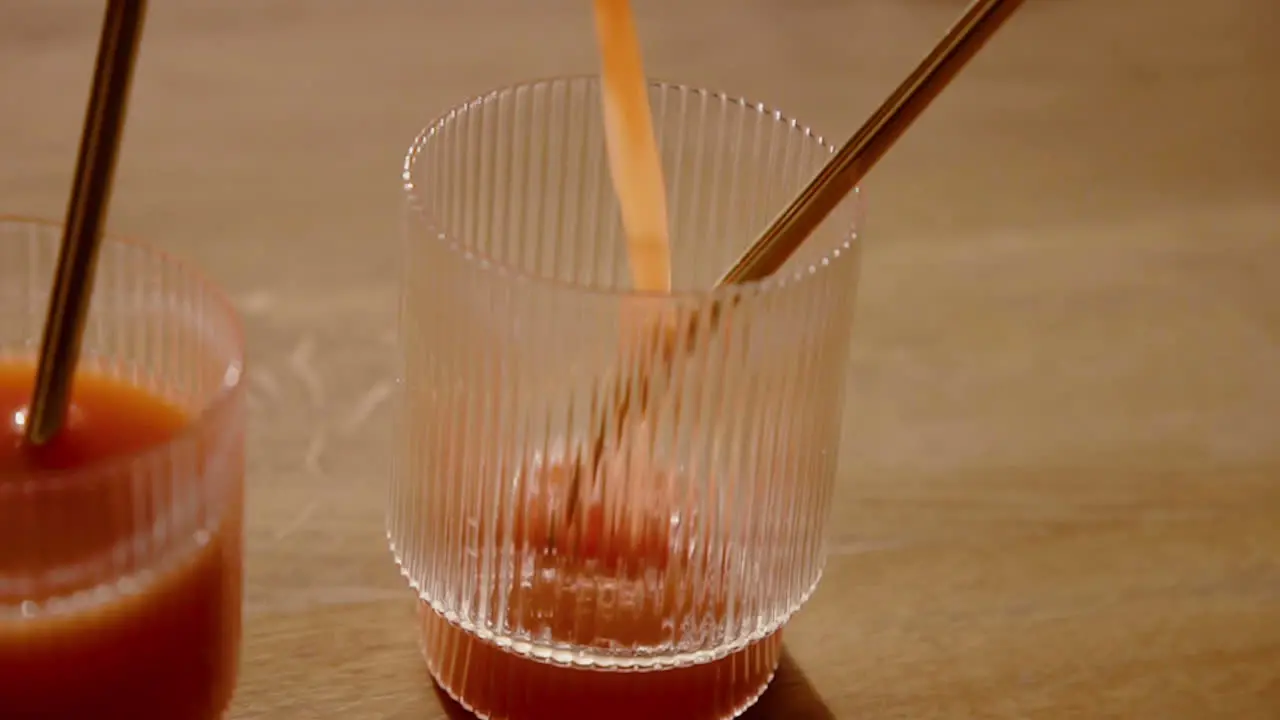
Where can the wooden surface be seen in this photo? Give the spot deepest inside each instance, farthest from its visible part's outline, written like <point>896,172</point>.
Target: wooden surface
<point>1060,489</point>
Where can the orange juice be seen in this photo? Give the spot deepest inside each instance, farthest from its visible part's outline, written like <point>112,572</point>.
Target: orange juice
<point>162,644</point>
<point>500,683</point>
<point>496,683</point>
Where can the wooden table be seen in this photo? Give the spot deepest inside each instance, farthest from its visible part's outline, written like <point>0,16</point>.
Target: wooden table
<point>1060,490</point>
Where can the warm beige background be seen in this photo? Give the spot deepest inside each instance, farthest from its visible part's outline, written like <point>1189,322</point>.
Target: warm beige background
<point>1061,489</point>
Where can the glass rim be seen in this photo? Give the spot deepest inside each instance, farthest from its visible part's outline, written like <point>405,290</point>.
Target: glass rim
<point>487,263</point>
<point>43,482</point>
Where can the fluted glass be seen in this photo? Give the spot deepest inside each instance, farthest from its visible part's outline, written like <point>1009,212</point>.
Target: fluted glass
<point>139,614</point>
<point>696,530</point>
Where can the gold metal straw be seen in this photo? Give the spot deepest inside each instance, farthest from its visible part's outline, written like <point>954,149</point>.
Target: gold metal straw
<point>852,162</point>
<point>841,174</point>
<point>86,215</point>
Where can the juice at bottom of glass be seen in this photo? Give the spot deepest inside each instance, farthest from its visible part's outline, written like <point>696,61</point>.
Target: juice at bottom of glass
<point>496,683</point>
<point>574,598</point>
<point>161,644</point>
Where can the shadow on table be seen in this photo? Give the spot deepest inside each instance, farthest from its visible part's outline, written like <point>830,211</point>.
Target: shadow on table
<point>789,697</point>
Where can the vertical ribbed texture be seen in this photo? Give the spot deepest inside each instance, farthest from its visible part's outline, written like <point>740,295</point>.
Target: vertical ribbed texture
<point>157,325</point>
<point>497,684</point>
<point>700,529</point>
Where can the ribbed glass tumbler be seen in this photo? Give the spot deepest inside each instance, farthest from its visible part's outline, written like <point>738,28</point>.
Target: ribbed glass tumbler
<point>601,520</point>
<point>121,539</point>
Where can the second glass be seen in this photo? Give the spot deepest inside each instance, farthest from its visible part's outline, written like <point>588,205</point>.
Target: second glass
<point>121,540</point>
<point>651,574</point>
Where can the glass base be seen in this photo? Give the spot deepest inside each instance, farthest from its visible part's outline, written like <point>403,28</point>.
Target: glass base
<point>495,684</point>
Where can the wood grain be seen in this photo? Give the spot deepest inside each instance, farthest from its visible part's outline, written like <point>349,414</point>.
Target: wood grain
<point>1060,485</point>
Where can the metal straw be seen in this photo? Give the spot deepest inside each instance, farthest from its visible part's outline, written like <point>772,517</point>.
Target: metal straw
<point>841,174</point>
<point>86,215</point>
<point>852,162</point>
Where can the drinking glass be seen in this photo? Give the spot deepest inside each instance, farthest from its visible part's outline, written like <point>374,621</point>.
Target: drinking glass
<point>120,579</point>
<point>658,581</point>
